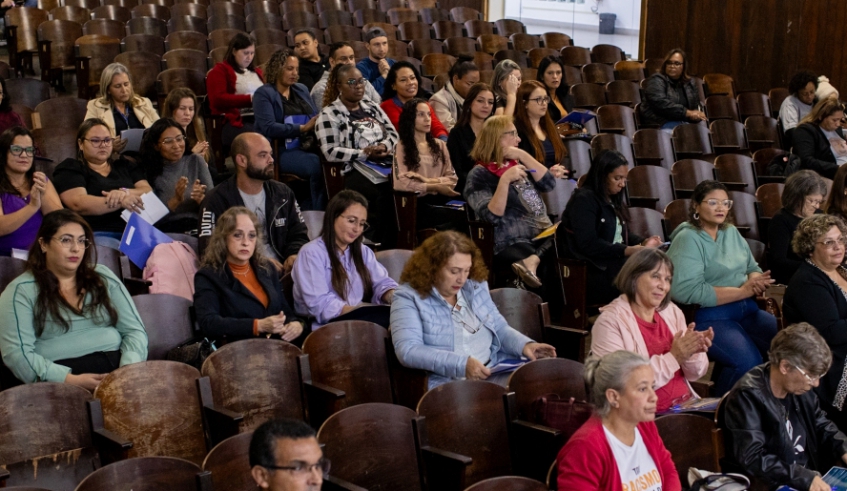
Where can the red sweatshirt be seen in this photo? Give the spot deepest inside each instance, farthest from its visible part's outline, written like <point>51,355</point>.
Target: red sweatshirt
<point>393,109</point>
<point>587,463</point>
<point>220,87</point>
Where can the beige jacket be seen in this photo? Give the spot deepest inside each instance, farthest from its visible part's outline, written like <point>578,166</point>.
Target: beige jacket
<point>447,103</point>
<point>141,106</point>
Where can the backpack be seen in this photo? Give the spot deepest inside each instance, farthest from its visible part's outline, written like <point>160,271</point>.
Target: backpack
<point>171,269</point>
<point>784,165</point>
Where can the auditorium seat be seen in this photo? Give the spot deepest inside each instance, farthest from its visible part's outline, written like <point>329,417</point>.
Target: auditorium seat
<point>649,186</point>
<point>687,173</point>
<point>79,15</point>
<point>579,152</point>
<point>729,136</point>
<point>606,53</point>
<point>222,9</point>
<point>492,43</point>
<point>762,158</point>
<point>597,73</point>
<point>180,77</point>
<point>753,104</point>
<point>144,42</point>
<point>431,15</point>
<point>265,51</point>
<point>719,84</point>
<point>611,141</point>
<point>187,40</point>
<point>22,39</point>
<point>693,141</point>
<point>422,47</point>
<point>262,20</point>
<point>624,92</point>
<point>721,107</point>
<point>147,25</point>
<point>289,6</point>
<point>485,63</point>
<point>576,56</point>
<point>527,42</point>
<point>507,27</point>
<point>193,9</point>
<point>408,31</point>
<point>769,201</point>
<point>508,483</point>
<point>464,14</point>
<point>148,474</point>
<point>646,222</point>
<point>167,320</point>
<point>675,213</point>
<point>737,172</point>
<point>335,34</point>
<point>144,67</point>
<point>105,27</point>
<point>557,199</point>
<point>653,65</point>
<point>613,118</point>
<point>399,15</point>
<point>220,38</point>
<point>325,5</point>
<point>97,52</point>
<point>367,15</point>
<point>298,19</point>
<point>436,63</point>
<point>386,5</point>
<point>692,440</point>
<point>476,28</point>
<point>113,12</point>
<point>762,132</point>
<point>456,46</point>
<point>556,40</point>
<point>151,10</point>
<point>332,17</point>
<point>744,214</point>
<point>394,260</point>
<point>653,147</point>
<point>536,54</point>
<point>588,96</point>
<point>445,29</point>
<point>57,55</point>
<point>777,96</point>
<point>10,268</point>
<point>225,22</point>
<point>629,70</point>
<point>229,464</point>
<point>186,58</point>
<point>354,5</point>
<point>390,29</point>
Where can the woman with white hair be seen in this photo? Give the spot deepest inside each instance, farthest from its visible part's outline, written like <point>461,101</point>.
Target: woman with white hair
<point>118,105</point>
<point>619,448</point>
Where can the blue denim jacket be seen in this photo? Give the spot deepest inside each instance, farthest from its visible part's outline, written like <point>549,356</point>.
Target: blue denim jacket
<point>423,336</point>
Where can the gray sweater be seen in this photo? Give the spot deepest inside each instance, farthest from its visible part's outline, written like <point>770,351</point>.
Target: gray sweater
<point>191,166</point>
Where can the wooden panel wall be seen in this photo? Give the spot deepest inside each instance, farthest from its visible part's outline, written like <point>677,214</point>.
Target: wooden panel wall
<point>760,43</point>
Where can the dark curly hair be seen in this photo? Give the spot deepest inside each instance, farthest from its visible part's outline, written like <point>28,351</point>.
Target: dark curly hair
<point>338,72</point>
<point>800,80</point>
<point>422,269</point>
<point>406,130</point>
<point>152,158</point>
<point>389,92</point>
<point>700,192</point>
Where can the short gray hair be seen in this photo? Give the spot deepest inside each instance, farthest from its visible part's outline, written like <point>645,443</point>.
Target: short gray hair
<point>610,372</point>
<point>802,346</point>
<point>106,77</point>
<point>642,262</point>
<point>501,72</point>
<point>800,185</point>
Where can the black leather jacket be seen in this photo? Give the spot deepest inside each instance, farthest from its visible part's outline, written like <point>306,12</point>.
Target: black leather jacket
<point>661,100</point>
<point>756,438</point>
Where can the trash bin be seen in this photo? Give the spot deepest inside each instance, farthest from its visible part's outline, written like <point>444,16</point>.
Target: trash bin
<point>607,23</point>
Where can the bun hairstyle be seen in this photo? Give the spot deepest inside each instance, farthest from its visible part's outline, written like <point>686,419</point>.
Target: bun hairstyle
<point>464,65</point>
<point>609,372</point>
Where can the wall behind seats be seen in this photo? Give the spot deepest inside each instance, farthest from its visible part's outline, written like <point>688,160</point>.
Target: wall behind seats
<point>760,43</point>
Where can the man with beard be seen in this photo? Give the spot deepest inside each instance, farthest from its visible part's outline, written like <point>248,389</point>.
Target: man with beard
<point>283,229</point>
<point>285,456</point>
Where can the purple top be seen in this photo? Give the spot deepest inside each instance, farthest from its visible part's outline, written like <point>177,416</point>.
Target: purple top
<point>24,236</point>
<point>312,275</point>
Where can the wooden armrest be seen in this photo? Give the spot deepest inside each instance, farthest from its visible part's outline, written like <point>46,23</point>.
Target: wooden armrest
<point>533,447</point>
<point>760,141</point>
<point>220,423</point>
<point>332,483</point>
<point>569,342</point>
<point>725,146</point>
<point>643,201</point>
<point>703,388</point>
<point>4,474</point>
<point>83,69</point>
<point>111,446</point>
<point>137,286</point>
<point>608,129</point>
<point>323,401</point>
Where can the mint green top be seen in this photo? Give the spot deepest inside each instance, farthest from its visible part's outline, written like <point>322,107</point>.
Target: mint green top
<point>31,358</point>
<point>701,263</point>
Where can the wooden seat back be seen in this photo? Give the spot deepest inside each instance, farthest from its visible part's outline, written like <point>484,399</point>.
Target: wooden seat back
<point>147,474</point>
<point>229,464</point>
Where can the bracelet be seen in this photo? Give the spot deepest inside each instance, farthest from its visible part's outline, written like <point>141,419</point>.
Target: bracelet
<point>125,190</point>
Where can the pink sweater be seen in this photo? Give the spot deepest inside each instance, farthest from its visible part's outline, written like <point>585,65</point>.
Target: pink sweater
<point>586,462</point>
<point>616,329</point>
<point>442,170</point>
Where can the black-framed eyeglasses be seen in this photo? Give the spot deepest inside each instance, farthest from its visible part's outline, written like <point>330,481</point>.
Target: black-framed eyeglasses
<point>67,241</point>
<point>675,63</point>
<point>303,468</point>
<point>17,150</point>
<point>100,142</point>
<point>541,101</point>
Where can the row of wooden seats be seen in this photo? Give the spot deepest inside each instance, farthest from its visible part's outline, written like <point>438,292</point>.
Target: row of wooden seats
<point>460,9</point>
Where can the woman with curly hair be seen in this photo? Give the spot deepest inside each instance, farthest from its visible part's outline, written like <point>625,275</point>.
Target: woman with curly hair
<point>817,294</point>
<point>237,291</point>
<point>714,268</point>
<point>422,164</point>
<point>444,321</point>
<point>285,112</point>
<point>798,104</point>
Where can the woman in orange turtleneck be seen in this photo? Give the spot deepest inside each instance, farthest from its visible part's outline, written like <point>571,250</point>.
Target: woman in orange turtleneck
<point>238,293</point>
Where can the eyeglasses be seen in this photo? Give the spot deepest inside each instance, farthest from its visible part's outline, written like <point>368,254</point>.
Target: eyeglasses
<point>811,379</point>
<point>541,101</point>
<point>100,142</point>
<point>356,222</point>
<point>352,82</point>
<point>17,150</point>
<point>675,63</point>
<point>303,469</point>
<point>170,141</point>
<point>251,236</point>
<point>814,202</point>
<point>830,243</point>
<point>727,203</point>
<point>457,317</point>
<point>510,133</point>
<point>67,241</point>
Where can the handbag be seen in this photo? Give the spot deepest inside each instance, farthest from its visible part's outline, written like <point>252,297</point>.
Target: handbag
<point>701,480</point>
<point>193,353</point>
<point>565,415</point>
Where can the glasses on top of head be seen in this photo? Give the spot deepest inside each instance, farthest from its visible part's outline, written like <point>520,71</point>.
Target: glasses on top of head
<point>831,243</point>
<point>727,203</point>
<point>67,241</point>
<point>100,142</point>
<point>810,378</point>
<point>352,82</point>
<point>170,141</point>
<point>17,150</point>
<point>303,469</point>
<point>675,63</point>
<point>356,222</point>
<point>541,101</point>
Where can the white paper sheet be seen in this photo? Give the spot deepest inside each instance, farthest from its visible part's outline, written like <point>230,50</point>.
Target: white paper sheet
<point>153,210</point>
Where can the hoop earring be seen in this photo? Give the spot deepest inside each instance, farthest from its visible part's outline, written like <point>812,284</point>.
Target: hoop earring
<point>696,216</point>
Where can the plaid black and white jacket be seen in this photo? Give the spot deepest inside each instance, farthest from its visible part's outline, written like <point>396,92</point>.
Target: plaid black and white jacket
<point>336,133</point>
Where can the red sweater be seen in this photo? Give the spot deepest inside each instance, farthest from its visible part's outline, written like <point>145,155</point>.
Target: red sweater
<point>587,463</point>
<point>220,88</point>
<point>393,110</point>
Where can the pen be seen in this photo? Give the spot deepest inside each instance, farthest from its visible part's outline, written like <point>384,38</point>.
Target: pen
<point>531,170</point>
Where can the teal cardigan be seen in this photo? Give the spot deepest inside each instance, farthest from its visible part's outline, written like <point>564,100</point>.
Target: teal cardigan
<point>31,357</point>
<point>701,263</point>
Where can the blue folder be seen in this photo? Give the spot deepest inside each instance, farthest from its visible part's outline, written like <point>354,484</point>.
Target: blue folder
<point>139,240</point>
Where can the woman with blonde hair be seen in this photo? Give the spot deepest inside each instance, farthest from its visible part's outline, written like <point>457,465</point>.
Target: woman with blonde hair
<point>819,139</point>
<point>118,105</point>
<point>444,321</point>
<point>237,291</point>
<point>181,106</point>
<point>500,192</point>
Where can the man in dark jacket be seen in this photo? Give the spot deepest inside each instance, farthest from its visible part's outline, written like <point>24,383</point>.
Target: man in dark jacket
<point>774,429</point>
<point>253,186</point>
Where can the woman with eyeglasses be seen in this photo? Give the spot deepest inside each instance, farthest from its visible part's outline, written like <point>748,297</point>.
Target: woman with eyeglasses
<point>536,129</point>
<point>179,180</point>
<point>443,320</point>
<point>401,86</point>
<point>595,227</point>
<point>26,195</point>
<point>817,294</point>
<point>774,429</point>
<point>353,128</point>
<point>237,291</point>
<point>715,269</point>
<point>67,319</point>
<point>97,187</point>
<point>335,273</point>
<point>802,197</point>
<point>671,97</point>
<point>504,189</point>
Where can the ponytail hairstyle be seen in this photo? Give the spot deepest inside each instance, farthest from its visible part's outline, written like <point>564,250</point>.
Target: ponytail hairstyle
<point>335,208</point>
<point>609,372</point>
<point>406,130</point>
